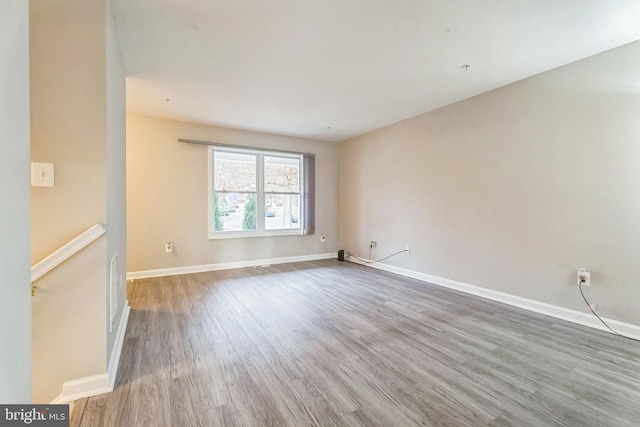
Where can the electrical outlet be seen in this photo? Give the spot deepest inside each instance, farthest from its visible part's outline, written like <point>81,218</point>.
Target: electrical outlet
<point>407,248</point>
<point>322,238</point>
<point>373,244</point>
<point>583,277</point>
<point>168,247</point>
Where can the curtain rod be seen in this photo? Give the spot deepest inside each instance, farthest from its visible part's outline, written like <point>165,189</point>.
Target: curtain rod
<point>246,147</point>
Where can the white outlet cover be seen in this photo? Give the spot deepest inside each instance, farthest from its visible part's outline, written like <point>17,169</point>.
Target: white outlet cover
<point>587,277</point>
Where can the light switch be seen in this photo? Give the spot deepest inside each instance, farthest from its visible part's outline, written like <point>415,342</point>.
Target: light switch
<point>41,174</point>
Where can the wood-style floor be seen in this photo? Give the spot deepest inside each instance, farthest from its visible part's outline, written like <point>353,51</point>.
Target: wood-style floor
<point>336,344</point>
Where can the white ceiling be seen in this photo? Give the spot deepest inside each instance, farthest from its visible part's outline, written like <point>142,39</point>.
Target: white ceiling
<point>296,67</point>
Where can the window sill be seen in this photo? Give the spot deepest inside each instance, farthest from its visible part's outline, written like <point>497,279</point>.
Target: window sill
<point>247,234</point>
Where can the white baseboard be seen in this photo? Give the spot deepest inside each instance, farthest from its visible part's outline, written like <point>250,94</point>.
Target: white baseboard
<point>585,319</point>
<point>84,387</point>
<point>225,266</point>
<point>114,359</point>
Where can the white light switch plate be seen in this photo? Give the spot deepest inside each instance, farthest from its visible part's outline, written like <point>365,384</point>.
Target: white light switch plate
<point>42,174</point>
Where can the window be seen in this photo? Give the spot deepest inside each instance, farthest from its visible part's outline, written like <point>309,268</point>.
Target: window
<point>258,193</point>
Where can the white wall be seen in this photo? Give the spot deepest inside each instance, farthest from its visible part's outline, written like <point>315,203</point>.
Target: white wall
<point>68,119</point>
<point>512,190</point>
<point>116,169</point>
<point>77,123</point>
<point>15,273</point>
<point>167,196</point>
<point>69,337</point>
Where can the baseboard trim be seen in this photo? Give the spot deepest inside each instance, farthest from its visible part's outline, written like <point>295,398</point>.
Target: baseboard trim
<point>225,266</point>
<point>114,359</point>
<point>84,387</point>
<point>585,319</point>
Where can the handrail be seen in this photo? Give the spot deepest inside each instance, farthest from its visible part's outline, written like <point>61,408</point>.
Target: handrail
<point>64,252</point>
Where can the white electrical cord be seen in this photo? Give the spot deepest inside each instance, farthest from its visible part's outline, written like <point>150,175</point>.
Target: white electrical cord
<point>594,313</point>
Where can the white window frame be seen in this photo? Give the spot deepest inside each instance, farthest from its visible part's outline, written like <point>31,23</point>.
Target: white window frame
<point>260,196</point>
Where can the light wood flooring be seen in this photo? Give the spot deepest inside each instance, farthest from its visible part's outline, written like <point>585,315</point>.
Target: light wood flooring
<point>331,343</point>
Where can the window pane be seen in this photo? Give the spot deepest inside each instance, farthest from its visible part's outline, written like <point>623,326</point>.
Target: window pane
<point>282,174</point>
<point>281,212</point>
<point>234,212</point>
<point>234,171</point>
